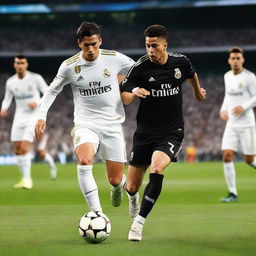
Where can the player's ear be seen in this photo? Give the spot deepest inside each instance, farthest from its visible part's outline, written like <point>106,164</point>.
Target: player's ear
<point>79,43</point>
<point>100,41</point>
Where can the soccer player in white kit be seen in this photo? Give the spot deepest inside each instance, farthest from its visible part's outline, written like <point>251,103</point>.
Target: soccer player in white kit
<point>25,87</point>
<point>98,111</point>
<point>237,110</point>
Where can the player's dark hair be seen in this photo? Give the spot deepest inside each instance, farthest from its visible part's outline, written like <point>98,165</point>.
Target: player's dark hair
<point>156,31</point>
<point>20,56</point>
<point>88,29</point>
<point>236,50</point>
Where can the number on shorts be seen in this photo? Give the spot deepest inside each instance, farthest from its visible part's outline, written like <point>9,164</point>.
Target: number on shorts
<point>171,147</point>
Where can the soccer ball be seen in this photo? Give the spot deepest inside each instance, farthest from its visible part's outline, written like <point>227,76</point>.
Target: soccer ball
<point>94,227</point>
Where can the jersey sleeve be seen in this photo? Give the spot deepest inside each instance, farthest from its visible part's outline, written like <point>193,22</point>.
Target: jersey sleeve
<point>125,63</point>
<point>61,79</point>
<point>252,91</point>
<point>131,80</point>
<point>7,97</point>
<point>189,68</point>
<point>41,84</point>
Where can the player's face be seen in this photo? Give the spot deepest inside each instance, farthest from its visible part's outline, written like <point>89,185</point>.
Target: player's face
<point>20,66</point>
<point>236,61</point>
<point>156,49</point>
<point>90,46</point>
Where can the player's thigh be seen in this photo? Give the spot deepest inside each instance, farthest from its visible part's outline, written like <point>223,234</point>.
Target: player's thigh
<point>112,144</point>
<point>160,160</point>
<point>230,139</point>
<point>86,143</point>
<point>135,177</point>
<point>247,137</point>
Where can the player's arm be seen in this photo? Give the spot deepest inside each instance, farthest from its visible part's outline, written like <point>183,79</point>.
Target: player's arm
<point>251,103</point>
<point>129,97</point>
<point>224,109</point>
<point>199,93</point>
<point>6,102</point>
<point>61,79</point>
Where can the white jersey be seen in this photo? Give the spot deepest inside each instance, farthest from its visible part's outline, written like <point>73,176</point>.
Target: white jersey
<point>24,91</point>
<point>240,90</point>
<point>95,87</point>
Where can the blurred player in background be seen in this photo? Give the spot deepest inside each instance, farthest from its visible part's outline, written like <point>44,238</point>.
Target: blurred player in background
<point>237,110</point>
<point>25,87</point>
<point>98,111</point>
<point>157,80</point>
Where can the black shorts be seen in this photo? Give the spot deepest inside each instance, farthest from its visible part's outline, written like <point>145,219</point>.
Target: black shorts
<point>145,144</point>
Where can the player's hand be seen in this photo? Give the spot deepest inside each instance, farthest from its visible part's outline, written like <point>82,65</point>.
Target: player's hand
<point>32,105</point>
<point>4,113</point>
<point>224,115</point>
<point>141,92</point>
<point>40,128</point>
<point>237,111</point>
<point>201,94</point>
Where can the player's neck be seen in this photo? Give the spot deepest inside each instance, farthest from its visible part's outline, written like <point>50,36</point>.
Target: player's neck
<point>21,75</point>
<point>163,59</point>
<point>238,71</point>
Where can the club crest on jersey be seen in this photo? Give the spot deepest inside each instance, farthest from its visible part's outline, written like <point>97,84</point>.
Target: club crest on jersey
<point>240,86</point>
<point>106,73</point>
<point>177,73</point>
<point>30,88</point>
<point>77,69</point>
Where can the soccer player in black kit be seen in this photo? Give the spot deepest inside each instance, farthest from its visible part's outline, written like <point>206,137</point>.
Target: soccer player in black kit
<point>157,80</point>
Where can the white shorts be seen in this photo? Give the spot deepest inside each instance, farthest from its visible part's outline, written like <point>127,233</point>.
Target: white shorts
<point>23,133</point>
<point>108,141</point>
<point>240,138</point>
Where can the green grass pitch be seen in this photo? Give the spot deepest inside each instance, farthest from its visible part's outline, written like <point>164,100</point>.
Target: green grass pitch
<point>188,218</point>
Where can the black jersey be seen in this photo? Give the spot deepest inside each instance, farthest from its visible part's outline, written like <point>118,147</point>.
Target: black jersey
<point>161,111</point>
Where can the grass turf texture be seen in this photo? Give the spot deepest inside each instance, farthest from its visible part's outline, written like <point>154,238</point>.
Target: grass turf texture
<point>188,218</point>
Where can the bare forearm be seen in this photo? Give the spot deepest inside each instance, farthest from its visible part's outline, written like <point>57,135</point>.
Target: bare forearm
<point>199,92</point>
<point>127,97</point>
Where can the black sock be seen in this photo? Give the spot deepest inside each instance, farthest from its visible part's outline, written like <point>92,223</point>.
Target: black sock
<point>130,193</point>
<point>151,193</point>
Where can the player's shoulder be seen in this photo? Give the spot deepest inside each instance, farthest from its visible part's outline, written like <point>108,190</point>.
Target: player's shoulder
<point>33,74</point>
<point>177,57</point>
<point>248,73</point>
<point>72,60</point>
<point>11,78</point>
<point>142,60</point>
<point>105,52</point>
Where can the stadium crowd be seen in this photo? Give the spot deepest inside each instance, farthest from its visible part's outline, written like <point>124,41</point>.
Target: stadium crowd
<point>17,39</point>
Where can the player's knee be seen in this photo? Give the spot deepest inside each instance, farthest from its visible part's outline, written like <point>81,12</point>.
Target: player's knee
<point>84,161</point>
<point>228,157</point>
<point>114,181</point>
<point>249,159</point>
<point>156,169</point>
<point>41,154</point>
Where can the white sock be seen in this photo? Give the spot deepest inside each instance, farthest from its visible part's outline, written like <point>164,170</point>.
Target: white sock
<point>140,219</point>
<point>253,164</point>
<point>24,163</point>
<point>88,187</point>
<point>230,176</point>
<point>49,160</point>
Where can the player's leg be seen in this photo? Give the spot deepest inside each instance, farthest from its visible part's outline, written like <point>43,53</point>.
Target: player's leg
<point>248,143</point>
<point>117,179</point>
<point>45,156</point>
<point>230,142</point>
<point>160,161</point>
<point>86,143</point>
<point>85,155</point>
<point>22,151</point>
<point>112,150</point>
<point>134,180</point>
